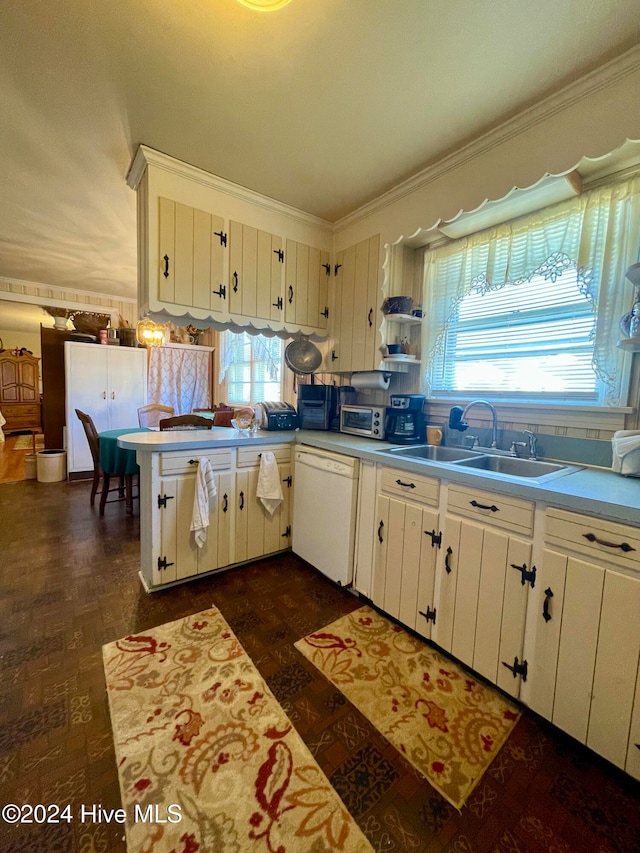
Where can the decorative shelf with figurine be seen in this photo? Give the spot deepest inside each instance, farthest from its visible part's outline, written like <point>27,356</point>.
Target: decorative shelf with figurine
<point>630,322</point>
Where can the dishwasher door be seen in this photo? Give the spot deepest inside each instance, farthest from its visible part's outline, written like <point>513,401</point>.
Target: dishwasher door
<point>324,511</point>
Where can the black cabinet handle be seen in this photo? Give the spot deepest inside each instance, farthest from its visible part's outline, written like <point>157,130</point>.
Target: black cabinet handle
<point>278,303</point>
<point>193,462</point>
<point>166,266</point>
<point>380,528</point>
<point>406,485</point>
<point>624,546</point>
<point>548,595</point>
<point>225,498</point>
<point>235,282</point>
<point>370,317</point>
<point>241,500</point>
<point>493,507</point>
<point>221,292</point>
<point>447,565</point>
<point>325,313</point>
<point>290,294</point>
<point>334,357</point>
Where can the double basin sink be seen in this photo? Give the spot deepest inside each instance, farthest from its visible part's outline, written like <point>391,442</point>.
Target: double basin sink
<point>484,461</point>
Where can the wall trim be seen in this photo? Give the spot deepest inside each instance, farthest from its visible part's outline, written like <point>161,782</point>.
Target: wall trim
<point>592,82</point>
<point>17,290</point>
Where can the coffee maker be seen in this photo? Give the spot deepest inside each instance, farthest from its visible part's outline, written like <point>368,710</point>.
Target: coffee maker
<point>405,422</point>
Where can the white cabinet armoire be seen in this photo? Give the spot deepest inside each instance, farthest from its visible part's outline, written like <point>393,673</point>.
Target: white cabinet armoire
<point>108,383</point>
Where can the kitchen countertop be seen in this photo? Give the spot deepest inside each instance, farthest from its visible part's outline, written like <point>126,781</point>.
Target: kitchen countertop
<point>593,491</point>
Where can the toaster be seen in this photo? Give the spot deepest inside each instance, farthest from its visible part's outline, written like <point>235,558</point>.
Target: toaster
<point>278,416</point>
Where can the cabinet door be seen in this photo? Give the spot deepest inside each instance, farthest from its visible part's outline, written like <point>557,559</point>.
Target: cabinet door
<point>632,764</point>
<point>86,384</point>
<point>209,292</point>
<point>127,385</point>
<point>371,307</point>
<point>270,265</point>
<point>404,562</point>
<point>216,551</point>
<point>544,621</point>
<point>354,324</point>
<point>578,643</point>
<point>179,552</point>
<point>616,666</point>
<point>446,582</point>
<point>28,375</point>
<point>191,257</point>
<point>258,532</point>
<point>10,381</point>
<point>166,248</point>
<point>324,275</point>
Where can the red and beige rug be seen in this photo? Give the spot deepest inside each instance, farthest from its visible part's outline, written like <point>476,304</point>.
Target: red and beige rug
<point>207,759</point>
<point>447,725</point>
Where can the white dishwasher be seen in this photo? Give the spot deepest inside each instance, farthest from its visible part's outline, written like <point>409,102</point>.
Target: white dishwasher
<point>325,494</point>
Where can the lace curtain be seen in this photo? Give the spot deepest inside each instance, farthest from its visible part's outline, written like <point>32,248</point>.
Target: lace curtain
<point>597,234</point>
<point>179,378</point>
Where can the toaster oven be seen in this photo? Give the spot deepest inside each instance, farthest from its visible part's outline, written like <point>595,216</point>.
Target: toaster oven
<point>366,421</point>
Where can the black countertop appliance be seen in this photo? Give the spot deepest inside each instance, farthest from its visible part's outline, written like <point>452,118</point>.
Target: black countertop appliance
<point>405,421</point>
<point>316,406</point>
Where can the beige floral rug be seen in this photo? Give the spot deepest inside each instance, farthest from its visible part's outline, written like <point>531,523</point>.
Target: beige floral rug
<point>448,725</point>
<point>208,761</point>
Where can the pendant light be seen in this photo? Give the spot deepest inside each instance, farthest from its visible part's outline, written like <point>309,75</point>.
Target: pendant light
<point>264,5</point>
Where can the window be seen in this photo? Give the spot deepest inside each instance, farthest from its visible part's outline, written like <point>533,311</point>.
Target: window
<point>534,337</point>
<point>529,311</point>
<point>252,367</point>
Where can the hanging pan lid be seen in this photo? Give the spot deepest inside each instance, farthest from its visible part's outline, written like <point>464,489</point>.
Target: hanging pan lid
<point>302,356</point>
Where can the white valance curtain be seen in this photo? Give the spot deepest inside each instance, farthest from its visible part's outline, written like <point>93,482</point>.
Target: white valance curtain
<point>179,378</point>
<point>597,234</point>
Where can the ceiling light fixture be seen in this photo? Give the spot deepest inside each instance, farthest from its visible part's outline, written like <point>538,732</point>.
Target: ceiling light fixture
<point>264,5</point>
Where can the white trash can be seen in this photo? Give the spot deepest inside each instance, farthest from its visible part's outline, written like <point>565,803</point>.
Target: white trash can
<point>52,466</point>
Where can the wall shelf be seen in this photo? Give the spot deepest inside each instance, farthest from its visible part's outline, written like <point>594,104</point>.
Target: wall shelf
<point>630,344</point>
<point>408,319</point>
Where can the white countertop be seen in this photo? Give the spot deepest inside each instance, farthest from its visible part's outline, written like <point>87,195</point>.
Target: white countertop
<point>592,491</point>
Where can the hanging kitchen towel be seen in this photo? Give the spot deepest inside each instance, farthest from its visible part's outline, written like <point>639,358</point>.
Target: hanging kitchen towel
<point>269,489</point>
<point>205,492</point>
<point>626,452</point>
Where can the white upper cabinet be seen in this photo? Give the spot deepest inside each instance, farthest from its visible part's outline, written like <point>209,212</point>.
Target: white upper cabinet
<point>209,250</point>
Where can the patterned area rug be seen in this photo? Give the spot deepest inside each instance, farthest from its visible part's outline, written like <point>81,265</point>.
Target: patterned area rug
<point>25,442</point>
<point>446,724</point>
<point>208,761</point>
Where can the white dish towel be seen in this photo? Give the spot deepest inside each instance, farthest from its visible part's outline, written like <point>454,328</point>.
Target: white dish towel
<point>626,452</point>
<point>205,492</point>
<point>269,489</point>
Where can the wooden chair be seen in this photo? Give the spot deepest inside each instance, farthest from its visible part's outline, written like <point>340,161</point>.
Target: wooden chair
<point>149,416</point>
<point>94,445</point>
<point>186,422</point>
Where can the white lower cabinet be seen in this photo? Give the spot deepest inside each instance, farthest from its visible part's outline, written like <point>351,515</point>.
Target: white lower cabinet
<point>483,577</point>
<point>406,539</point>
<point>584,635</point>
<point>240,528</point>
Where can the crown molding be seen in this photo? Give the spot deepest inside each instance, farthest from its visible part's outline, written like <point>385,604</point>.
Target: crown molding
<point>612,71</point>
<point>146,156</point>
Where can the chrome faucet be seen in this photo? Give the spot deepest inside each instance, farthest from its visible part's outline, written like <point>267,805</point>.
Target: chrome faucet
<point>533,443</point>
<point>494,417</point>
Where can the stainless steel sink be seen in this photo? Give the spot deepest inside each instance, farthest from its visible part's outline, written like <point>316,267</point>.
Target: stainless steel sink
<point>499,464</point>
<point>432,452</point>
<point>510,466</point>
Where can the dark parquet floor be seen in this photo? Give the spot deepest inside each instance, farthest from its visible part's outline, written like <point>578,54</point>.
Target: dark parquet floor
<point>68,582</point>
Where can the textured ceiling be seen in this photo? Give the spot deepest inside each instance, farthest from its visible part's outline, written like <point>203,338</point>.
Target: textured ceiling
<point>323,105</point>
